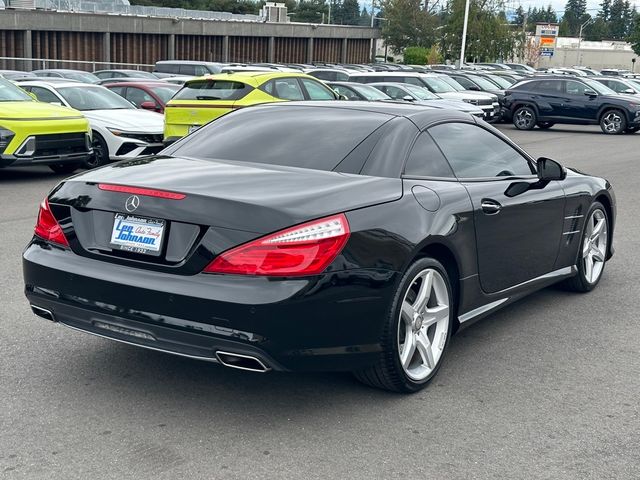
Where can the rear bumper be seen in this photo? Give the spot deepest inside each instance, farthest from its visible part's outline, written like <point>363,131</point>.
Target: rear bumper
<point>329,322</point>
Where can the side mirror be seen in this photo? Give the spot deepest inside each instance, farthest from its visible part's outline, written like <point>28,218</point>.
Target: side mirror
<point>474,88</point>
<point>590,93</point>
<point>149,106</point>
<point>408,98</point>
<point>549,170</point>
<point>629,91</point>
<point>342,97</point>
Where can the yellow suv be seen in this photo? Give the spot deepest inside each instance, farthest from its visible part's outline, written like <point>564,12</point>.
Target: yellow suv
<point>35,133</point>
<point>204,99</point>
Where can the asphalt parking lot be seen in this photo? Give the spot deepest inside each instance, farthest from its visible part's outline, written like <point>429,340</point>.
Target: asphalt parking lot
<point>547,388</point>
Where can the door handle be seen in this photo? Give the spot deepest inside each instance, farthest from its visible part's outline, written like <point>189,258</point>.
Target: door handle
<point>490,207</point>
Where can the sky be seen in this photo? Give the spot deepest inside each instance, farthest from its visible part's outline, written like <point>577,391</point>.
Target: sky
<point>593,6</point>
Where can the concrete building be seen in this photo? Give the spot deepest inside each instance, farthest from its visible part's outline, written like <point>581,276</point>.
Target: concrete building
<point>571,51</point>
<point>98,39</point>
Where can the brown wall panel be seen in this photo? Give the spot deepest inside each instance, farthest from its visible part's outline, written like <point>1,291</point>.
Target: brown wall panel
<point>195,47</point>
<point>358,51</point>
<point>11,46</point>
<point>68,46</point>
<point>138,47</point>
<point>327,49</point>
<point>248,49</point>
<point>290,50</point>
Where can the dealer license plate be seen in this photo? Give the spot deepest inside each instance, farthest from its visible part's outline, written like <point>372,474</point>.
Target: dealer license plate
<point>137,234</point>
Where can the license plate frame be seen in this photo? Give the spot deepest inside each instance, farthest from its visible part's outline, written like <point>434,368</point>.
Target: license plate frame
<point>135,234</point>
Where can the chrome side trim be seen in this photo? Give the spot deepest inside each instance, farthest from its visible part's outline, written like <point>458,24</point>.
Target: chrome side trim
<point>195,357</point>
<point>571,232</point>
<point>573,216</point>
<point>561,272</point>
<point>465,317</point>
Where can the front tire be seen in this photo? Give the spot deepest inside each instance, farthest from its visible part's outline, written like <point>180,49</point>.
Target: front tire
<point>524,118</point>
<point>100,154</point>
<point>613,122</point>
<point>592,255</point>
<point>416,332</point>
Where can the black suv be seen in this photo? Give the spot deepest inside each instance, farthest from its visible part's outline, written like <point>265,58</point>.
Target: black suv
<point>546,101</point>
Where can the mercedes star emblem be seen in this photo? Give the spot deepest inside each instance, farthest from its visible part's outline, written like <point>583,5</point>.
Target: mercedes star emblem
<point>132,203</point>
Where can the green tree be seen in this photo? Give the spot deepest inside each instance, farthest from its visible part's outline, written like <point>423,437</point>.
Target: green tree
<point>416,55</point>
<point>489,35</point>
<point>350,12</point>
<point>310,11</point>
<point>575,14</point>
<point>407,24</point>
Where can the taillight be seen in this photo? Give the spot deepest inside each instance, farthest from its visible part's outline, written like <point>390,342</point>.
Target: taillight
<point>305,249</point>
<point>48,227</point>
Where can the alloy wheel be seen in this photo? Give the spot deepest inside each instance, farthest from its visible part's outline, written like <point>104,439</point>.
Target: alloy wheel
<point>612,122</point>
<point>524,118</point>
<point>100,155</point>
<point>594,245</point>
<point>424,324</point>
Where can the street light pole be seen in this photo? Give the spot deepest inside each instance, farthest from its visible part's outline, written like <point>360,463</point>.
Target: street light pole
<point>464,33</point>
<point>579,60</point>
<point>373,40</point>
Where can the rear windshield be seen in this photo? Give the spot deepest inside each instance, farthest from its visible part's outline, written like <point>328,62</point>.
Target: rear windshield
<point>213,90</point>
<point>308,137</point>
<point>10,93</point>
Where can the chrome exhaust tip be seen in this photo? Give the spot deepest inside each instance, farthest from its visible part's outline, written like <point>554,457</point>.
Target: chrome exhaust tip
<point>241,362</point>
<point>43,312</point>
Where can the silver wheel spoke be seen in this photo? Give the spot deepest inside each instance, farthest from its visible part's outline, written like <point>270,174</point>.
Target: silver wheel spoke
<point>598,229</point>
<point>423,346</point>
<point>435,314</point>
<point>408,349</point>
<point>407,313</point>
<point>424,293</point>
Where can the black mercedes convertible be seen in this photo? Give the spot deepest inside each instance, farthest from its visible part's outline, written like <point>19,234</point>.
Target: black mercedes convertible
<point>316,236</point>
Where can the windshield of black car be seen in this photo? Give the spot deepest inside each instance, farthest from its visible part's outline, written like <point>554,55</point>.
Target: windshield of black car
<point>10,93</point>
<point>212,90</point>
<point>296,136</point>
<point>84,98</point>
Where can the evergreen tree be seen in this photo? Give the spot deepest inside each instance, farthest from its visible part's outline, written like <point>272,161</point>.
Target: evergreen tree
<point>575,14</point>
<point>350,12</point>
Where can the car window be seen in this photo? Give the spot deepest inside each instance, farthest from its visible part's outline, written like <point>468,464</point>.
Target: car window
<point>321,140</point>
<point>118,90</point>
<point>212,90</point>
<point>187,69</point>
<point>347,92</point>
<point>576,88</point>
<point>286,89</point>
<point>549,86</point>
<point>410,80</point>
<point>324,75</point>
<point>316,90</point>
<point>201,70</point>
<point>44,95</point>
<point>481,154</point>
<point>137,96</point>
<point>426,159</point>
<point>465,82</point>
<point>102,75</point>
<point>168,68</point>
<point>394,92</point>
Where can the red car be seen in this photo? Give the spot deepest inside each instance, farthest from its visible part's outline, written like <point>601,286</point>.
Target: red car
<point>150,95</point>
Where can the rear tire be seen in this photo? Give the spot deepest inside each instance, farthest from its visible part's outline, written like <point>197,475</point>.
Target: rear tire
<point>524,118</point>
<point>64,168</point>
<point>593,251</point>
<point>416,332</point>
<point>613,122</point>
<point>632,130</point>
<point>545,125</point>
